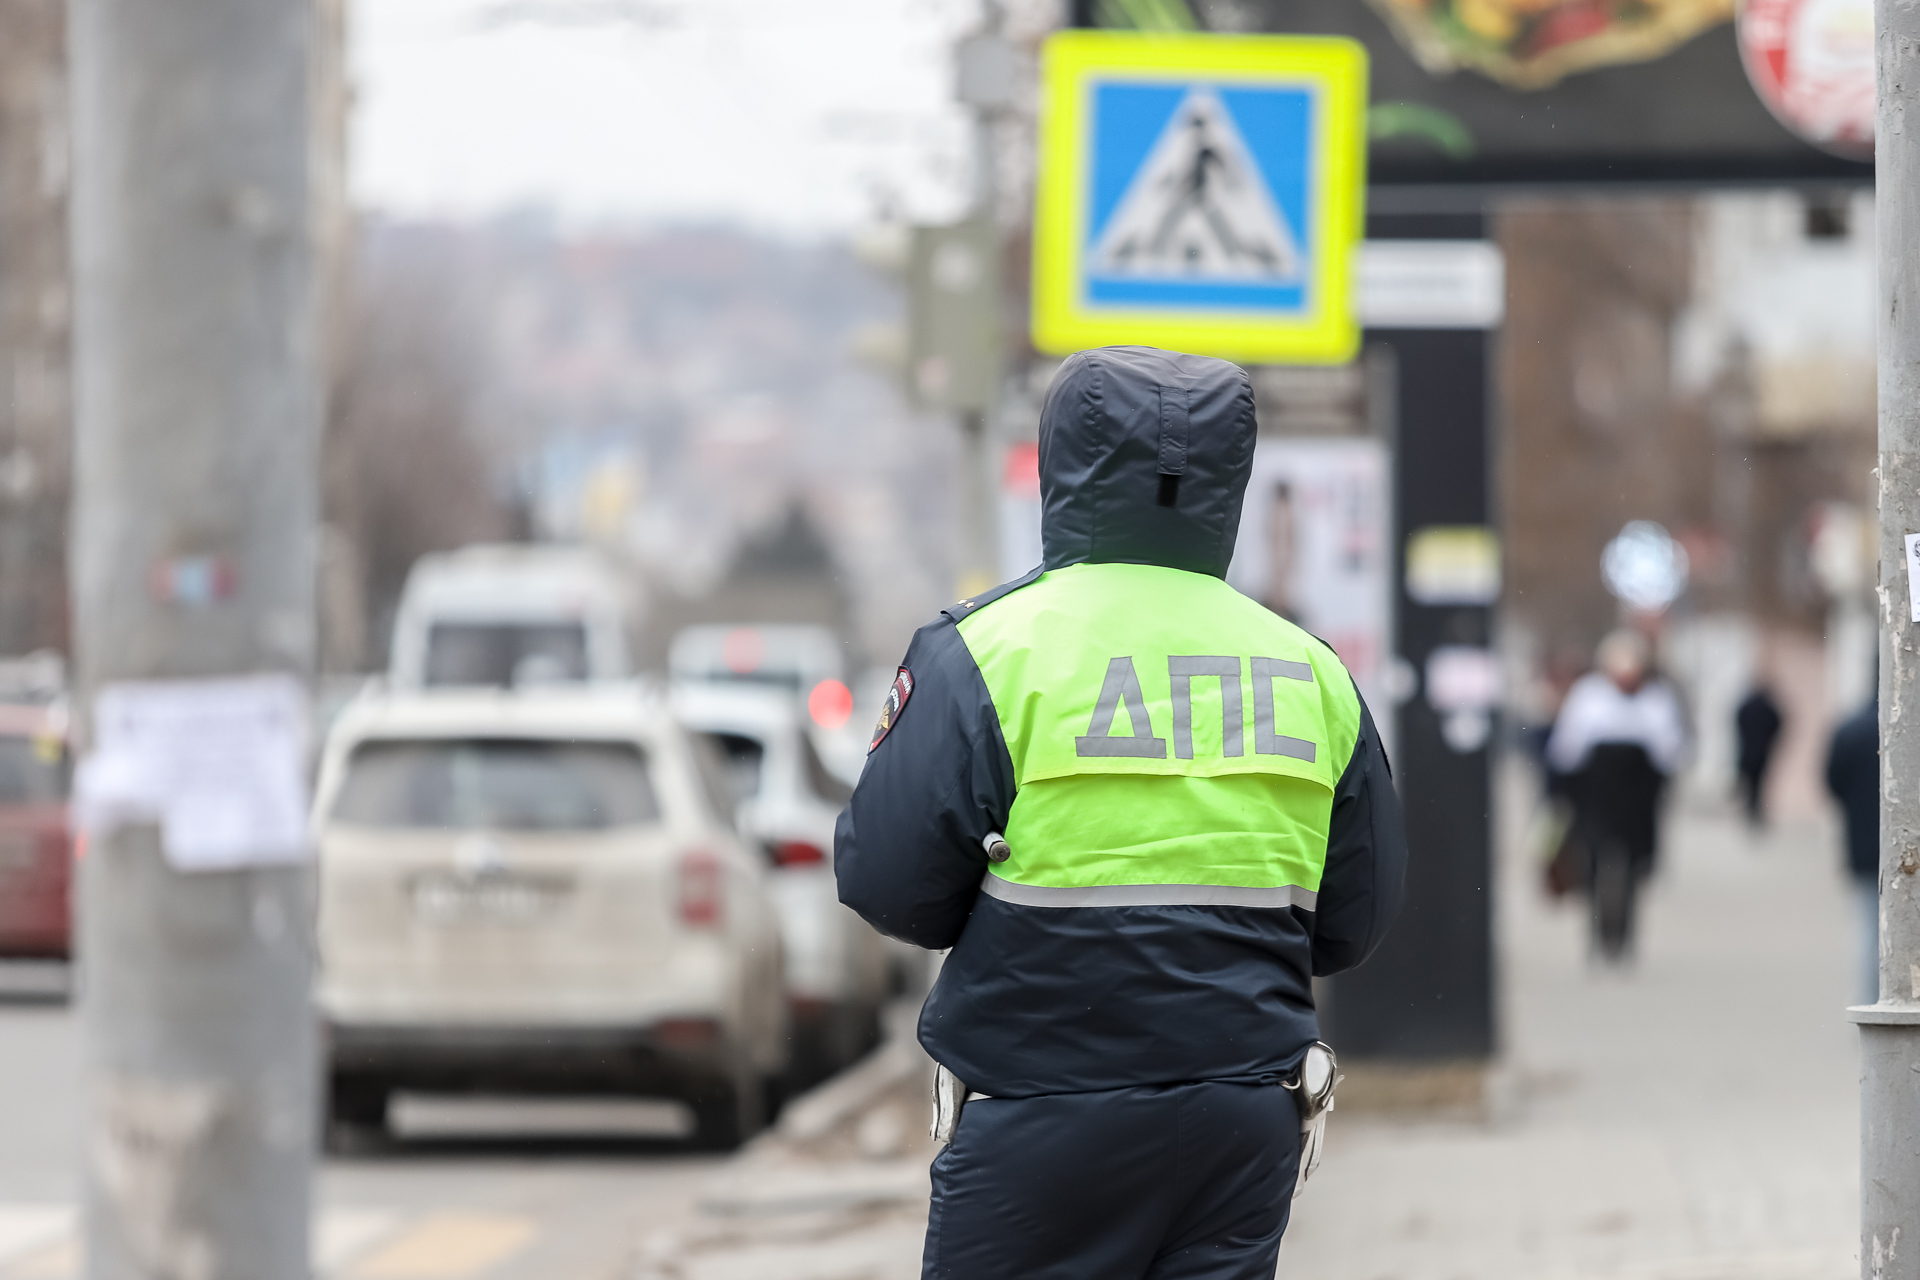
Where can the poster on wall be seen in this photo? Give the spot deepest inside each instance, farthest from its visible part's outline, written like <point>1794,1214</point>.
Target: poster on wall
<point>1314,547</point>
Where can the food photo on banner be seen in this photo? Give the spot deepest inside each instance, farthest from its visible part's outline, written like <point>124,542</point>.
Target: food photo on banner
<point>1525,94</point>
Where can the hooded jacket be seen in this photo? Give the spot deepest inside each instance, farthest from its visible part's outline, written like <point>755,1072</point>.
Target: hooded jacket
<point>1172,889</point>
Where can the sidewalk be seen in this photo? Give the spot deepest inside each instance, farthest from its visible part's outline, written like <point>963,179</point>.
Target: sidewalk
<point>1692,1119</point>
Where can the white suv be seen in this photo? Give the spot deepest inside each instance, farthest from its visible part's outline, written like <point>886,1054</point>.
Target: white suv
<point>543,892</point>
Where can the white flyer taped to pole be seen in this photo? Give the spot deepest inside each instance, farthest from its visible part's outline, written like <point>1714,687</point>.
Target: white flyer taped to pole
<point>220,764</point>
<point>1913,573</point>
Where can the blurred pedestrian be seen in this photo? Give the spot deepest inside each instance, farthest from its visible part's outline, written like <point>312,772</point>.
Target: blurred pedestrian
<point>1853,775</point>
<point>1140,856</point>
<point>1619,737</point>
<point>1757,723</point>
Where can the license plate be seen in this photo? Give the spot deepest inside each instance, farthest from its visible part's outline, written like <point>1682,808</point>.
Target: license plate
<point>511,898</point>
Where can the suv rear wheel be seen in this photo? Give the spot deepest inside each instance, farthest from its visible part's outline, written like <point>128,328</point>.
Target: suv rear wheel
<point>728,1111</point>
<point>356,1107</point>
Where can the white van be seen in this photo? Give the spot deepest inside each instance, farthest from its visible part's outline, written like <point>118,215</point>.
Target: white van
<point>513,615</point>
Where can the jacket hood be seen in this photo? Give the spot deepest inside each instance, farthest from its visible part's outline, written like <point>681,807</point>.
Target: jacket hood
<point>1144,459</point>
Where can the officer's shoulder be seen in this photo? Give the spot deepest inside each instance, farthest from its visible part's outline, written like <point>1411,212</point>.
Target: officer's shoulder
<point>1324,658</point>
<point>960,610</point>
<point>1281,628</point>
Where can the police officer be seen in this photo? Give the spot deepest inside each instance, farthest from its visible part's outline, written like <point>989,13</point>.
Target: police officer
<point>1143,811</point>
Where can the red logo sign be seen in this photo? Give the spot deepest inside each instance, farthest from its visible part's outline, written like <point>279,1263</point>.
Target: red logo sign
<point>1811,61</point>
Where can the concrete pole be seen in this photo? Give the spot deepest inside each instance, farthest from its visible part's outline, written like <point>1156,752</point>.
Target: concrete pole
<point>1890,1028</point>
<point>197,412</point>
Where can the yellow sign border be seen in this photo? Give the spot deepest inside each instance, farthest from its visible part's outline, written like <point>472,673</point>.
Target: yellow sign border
<point>1335,68</point>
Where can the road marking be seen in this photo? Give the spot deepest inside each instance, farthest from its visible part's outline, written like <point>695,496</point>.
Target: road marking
<point>41,1242</point>
<point>448,1246</point>
<point>343,1234</point>
<point>28,1228</point>
<point>56,1262</point>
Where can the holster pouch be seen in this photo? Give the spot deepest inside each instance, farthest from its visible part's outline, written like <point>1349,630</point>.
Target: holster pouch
<point>1313,1085</point>
<point>949,1096</point>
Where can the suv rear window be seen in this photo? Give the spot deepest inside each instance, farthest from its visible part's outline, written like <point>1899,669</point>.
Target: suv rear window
<point>502,653</point>
<point>826,784</point>
<point>32,770</point>
<point>743,756</point>
<point>506,784</point>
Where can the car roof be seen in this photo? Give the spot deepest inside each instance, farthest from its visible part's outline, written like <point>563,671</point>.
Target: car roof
<point>725,704</point>
<point>605,710</point>
<point>21,720</point>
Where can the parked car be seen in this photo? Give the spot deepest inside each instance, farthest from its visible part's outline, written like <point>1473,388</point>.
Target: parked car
<point>785,656</point>
<point>511,615</point>
<point>35,843</point>
<point>837,966</point>
<point>541,892</point>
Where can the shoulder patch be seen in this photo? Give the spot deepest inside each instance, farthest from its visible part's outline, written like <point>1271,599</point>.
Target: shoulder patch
<point>890,710</point>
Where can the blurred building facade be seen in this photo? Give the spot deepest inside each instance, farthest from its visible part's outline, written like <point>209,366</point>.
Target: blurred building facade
<point>1707,364</point>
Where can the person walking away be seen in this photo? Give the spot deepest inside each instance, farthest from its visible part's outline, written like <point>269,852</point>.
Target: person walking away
<point>1144,812</point>
<point>1756,724</point>
<point>1853,776</point>
<point>1619,736</point>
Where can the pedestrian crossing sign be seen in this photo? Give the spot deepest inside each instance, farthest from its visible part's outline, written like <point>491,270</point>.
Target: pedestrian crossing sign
<point>1201,193</point>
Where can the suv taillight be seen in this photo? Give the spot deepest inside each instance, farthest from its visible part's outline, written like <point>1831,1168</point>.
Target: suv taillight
<point>702,888</point>
<point>797,853</point>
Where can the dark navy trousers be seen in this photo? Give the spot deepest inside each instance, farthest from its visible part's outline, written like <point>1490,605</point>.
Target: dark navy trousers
<point>1168,1182</point>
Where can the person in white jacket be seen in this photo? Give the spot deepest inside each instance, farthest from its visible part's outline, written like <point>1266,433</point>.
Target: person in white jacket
<point>1620,736</point>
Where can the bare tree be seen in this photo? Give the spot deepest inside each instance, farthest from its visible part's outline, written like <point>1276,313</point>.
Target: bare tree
<point>402,473</point>
<point>35,396</point>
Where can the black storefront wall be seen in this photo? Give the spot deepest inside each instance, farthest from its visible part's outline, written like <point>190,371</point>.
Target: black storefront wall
<point>1428,992</point>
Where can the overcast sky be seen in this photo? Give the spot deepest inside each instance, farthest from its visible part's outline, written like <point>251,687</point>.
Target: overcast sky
<point>797,116</point>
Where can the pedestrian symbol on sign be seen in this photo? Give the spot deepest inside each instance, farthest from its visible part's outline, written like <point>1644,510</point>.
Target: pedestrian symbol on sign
<point>1199,207</point>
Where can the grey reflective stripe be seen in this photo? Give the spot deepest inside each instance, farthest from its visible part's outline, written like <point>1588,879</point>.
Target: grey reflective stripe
<point>1122,683</point>
<point>1147,895</point>
<point>1181,672</point>
<point>1283,667</point>
<point>1265,741</point>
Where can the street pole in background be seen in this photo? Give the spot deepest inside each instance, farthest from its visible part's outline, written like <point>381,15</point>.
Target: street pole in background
<point>192,559</point>
<point>1890,1028</point>
<point>983,81</point>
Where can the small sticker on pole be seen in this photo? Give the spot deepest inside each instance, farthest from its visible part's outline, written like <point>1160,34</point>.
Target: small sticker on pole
<point>1913,573</point>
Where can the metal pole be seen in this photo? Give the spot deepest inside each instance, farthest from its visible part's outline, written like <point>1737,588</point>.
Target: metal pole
<point>1890,1028</point>
<point>196,435</point>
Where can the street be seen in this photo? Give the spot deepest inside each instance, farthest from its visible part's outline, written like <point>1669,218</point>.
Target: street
<point>443,1208</point>
<point>1692,1119</point>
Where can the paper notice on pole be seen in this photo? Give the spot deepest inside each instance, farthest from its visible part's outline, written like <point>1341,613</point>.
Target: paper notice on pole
<point>220,764</point>
<point>1913,573</point>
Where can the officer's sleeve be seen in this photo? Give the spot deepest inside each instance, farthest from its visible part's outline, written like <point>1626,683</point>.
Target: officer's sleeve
<point>907,851</point>
<point>1366,859</point>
